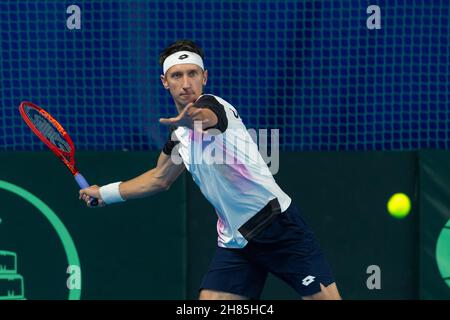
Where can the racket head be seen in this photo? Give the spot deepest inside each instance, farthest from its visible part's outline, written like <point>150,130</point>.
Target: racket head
<point>50,132</point>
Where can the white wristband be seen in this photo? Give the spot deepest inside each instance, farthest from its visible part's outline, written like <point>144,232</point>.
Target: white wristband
<point>110,193</point>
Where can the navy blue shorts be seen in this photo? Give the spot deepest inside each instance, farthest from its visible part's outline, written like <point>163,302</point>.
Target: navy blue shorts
<point>286,247</point>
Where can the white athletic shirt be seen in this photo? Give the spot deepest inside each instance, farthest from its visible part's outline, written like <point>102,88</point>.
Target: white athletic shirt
<point>228,169</point>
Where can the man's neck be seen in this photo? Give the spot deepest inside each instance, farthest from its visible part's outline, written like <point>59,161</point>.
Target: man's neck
<point>179,107</point>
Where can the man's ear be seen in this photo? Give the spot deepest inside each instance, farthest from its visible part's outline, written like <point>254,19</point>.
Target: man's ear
<point>164,82</point>
<point>205,77</point>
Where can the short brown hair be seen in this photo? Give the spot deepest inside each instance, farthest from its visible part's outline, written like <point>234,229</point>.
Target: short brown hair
<point>180,45</point>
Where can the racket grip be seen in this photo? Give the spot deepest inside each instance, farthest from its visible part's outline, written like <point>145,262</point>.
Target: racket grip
<point>84,184</point>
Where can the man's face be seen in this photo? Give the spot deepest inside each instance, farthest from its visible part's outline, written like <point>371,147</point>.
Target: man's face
<point>185,82</point>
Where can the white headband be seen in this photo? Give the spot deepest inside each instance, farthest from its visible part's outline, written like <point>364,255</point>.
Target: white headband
<point>182,57</point>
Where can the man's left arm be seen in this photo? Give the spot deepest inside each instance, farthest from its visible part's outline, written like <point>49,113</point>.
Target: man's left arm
<point>207,117</point>
<point>206,110</point>
<point>190,115</point>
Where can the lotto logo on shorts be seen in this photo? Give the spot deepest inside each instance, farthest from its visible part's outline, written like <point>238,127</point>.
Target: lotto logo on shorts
<point>308,280</point>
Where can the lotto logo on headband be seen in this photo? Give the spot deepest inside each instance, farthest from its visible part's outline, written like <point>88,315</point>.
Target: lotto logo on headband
<point>182,57</point>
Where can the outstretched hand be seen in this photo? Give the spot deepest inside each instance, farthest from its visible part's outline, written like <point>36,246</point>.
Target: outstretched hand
<point>91,192</point>
<point>187,117</point>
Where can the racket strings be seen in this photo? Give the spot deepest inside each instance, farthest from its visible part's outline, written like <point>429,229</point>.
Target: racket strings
<point>48,130</point>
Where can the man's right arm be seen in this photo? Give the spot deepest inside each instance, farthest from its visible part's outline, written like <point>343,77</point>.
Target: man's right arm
<point>151,182</point>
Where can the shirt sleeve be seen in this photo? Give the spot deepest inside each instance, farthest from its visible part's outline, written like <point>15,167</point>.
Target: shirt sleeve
<point>211,103</point>
<point>170,144</point>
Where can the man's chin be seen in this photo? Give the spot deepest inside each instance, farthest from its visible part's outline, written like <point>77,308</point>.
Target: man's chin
<point>184,103</point>
<point>187,98</point>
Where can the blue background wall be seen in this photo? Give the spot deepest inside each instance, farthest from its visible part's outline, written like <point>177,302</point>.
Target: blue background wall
<point>309,68</point>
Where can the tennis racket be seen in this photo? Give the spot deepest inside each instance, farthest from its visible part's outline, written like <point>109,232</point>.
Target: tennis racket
<point>55,137</point>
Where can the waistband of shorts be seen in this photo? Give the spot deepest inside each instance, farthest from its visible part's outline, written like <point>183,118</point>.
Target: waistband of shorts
<point>260,220</point>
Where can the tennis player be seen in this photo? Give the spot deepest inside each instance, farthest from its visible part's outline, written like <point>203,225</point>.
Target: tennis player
<point>259,229</point>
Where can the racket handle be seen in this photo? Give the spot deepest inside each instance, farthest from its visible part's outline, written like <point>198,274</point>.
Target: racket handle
<point>84,184</point>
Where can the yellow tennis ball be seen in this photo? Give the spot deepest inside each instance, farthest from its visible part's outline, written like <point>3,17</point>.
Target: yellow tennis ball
<point>399,205</point>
